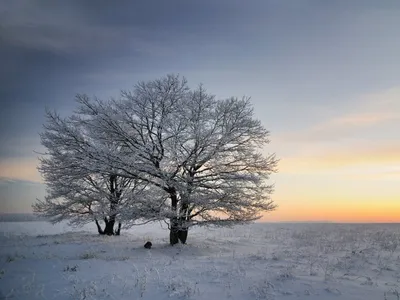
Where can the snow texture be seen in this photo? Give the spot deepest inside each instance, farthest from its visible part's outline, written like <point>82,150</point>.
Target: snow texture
<point>257,261</point>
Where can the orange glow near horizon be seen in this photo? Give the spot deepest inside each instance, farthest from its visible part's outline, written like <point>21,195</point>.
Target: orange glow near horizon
<point>348,184</point>
<point>379,212</point>
<point>338,186</point>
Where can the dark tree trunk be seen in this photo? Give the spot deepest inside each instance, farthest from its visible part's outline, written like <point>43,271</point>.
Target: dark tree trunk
<point>109,227</point>
<point>115,195</point>
<point>182,235</point>
<point>118,231</point>
<point>99,227</point>
<point>184,209</point>
<point>178,228</point>
<point>178,232</point>
<point>183,229</point>
<point>174,232</point>
<point>174,224</point>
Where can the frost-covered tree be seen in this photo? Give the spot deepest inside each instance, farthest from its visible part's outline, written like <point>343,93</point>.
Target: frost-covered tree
<point>201,156</point>
<point>78,193</point>
<point>222,176</point>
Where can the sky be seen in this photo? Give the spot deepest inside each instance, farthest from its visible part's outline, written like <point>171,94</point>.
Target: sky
<point>323,76</point>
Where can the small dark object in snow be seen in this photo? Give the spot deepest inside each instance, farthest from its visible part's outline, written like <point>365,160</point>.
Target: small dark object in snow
<point>148,245</point>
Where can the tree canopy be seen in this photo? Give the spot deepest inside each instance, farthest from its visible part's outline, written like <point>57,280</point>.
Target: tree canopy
<point>162,151</point>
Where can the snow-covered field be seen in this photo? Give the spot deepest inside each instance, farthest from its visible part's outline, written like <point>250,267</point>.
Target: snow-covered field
<point>258,261</point>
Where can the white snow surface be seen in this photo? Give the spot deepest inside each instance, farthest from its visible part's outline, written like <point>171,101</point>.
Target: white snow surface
<point>258,261</point>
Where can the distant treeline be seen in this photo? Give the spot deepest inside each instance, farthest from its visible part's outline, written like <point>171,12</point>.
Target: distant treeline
<point>19,218</point>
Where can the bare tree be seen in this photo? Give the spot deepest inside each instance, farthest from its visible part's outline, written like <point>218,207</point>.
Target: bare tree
<point>77,192</point>
<point>201,155</point>
<point>222,177</point>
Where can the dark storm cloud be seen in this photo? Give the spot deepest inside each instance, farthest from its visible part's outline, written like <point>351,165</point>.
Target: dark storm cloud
<point>46,50</point>
<point>51,50</point>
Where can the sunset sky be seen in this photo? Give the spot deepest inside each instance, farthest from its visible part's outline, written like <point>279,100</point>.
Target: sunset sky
<point>324,77</point>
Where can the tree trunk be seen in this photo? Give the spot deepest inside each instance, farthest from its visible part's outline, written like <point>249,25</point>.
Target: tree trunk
<point>115,194</point>
<point>182,235</point>
<point>183,229</point>
<point>109,228</point>
<point>174,225</point>
<point>118,231</point>
<point>99,227</point>
<point>177,232</point>
<point>174,232</point>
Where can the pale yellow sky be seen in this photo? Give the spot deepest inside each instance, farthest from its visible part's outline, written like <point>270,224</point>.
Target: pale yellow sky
<point>346,168</point>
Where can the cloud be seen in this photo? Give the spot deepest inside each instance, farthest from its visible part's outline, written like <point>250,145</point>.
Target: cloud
<point>67,31</point>
<point>368,112</point>
<point>14,181</point>
<point>374,175</point>
<point>361,120</point>
<point>102,28</point>
<point>20,169</point>
<point>356,155</point>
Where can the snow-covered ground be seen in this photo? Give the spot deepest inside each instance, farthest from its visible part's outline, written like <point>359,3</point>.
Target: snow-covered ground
<point>258,261</point>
